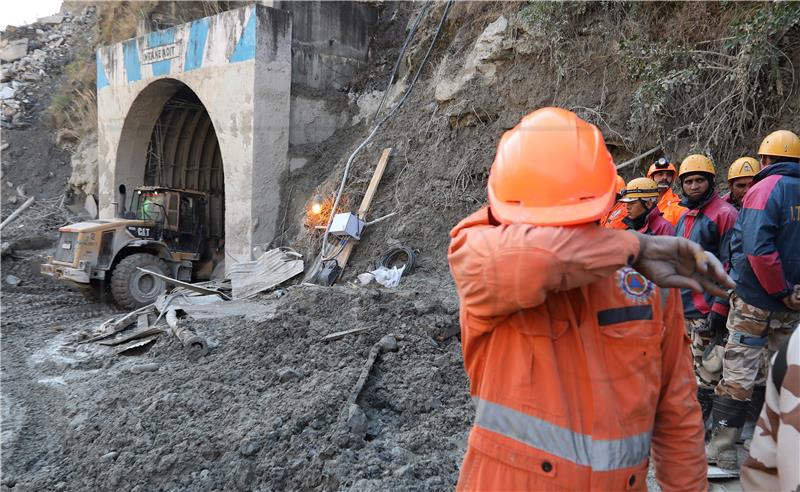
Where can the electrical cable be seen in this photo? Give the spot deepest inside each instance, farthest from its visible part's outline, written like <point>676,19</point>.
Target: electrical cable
<point>393,254</point>
<point>379,124</point>
<point>400,56</point>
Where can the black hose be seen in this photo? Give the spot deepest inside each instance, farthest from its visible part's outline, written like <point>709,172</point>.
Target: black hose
<point>390,256</point>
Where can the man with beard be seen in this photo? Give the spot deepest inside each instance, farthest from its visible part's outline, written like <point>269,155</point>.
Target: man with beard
<point>663,173</point>
<point>708,222</point>
<point>740,175</point>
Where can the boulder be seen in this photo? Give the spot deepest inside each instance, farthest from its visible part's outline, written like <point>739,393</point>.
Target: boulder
<point>51,19</point>
<point>14,50</point>
<point>490,49</point>
<point>7,92</point>
<point>84,166</point>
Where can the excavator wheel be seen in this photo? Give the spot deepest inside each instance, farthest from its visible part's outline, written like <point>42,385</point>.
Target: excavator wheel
<point>133,288</point>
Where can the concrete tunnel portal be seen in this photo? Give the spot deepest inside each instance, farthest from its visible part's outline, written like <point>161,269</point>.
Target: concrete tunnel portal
<point>221,105</point>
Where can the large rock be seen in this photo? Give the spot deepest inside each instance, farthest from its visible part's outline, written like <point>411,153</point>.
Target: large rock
<point>14,50</point>
<point>491,48</point>
<point>7,92</point>
<point>51,19</point>
<point>84,166</point>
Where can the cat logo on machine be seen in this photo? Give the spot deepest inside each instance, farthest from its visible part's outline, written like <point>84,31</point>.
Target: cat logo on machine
<point>139,231</point>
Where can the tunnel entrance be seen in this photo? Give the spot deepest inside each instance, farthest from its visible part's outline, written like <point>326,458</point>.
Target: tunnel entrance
<point>184,153</point>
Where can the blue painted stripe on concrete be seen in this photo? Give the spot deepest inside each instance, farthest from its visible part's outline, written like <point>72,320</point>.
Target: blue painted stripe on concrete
<point>133,70</point>
<point>102,79</point>
<point>158,38</point>
<point>246,47</point>
<point>197,44</point>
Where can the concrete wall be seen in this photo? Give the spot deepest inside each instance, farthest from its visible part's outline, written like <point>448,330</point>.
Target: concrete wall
<point>238,63</point>
<point>265,84</point>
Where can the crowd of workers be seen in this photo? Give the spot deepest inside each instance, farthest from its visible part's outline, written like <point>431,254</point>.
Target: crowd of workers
<point>591,350</point>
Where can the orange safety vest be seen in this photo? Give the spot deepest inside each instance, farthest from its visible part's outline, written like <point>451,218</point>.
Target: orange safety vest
<point>615,217</point>
<point>670,205</point>
<point>577,363</point>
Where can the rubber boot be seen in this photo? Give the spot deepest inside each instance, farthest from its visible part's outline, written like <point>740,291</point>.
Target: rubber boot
<point>705,398</point>
<point>729,416</point>
<point>753,413</point>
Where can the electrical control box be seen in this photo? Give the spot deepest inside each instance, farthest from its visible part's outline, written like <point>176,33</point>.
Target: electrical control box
<point>347,225</point>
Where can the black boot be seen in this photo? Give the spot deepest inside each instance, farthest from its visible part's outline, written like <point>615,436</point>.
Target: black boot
<point>705,397</point>
<point>729,416</point>
<point>756,403</point>
<point>753,412</point>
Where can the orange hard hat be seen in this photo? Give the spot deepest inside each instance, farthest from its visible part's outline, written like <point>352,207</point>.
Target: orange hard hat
<point>552,169</point>
<point>661,165</point>
<point>620,184</point>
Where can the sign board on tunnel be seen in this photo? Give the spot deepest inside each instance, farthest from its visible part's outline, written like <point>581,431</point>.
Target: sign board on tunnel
<point>160,53</point>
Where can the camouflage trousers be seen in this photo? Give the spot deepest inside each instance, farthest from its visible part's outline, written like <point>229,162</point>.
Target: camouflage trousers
<point>753,336</point>
<point>708,374</point>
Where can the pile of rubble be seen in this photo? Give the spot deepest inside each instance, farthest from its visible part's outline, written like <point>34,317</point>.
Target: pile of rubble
<point>31,55</point>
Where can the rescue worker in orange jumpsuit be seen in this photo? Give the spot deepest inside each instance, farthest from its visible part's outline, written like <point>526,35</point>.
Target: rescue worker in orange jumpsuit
<point>615,219</point>
<point>663,173</point>
<point>577,362</point>
<point>740,176</point>
<point>640,196</point>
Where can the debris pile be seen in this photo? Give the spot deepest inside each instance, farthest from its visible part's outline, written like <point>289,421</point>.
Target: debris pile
<point>275,404</point>
<point>30,55</point>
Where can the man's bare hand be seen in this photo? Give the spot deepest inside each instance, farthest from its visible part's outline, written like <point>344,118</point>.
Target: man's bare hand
<point>792,301</point>
<point>677,262</point>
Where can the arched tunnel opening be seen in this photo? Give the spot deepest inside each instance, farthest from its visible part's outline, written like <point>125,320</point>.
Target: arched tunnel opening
<point>183,154</point>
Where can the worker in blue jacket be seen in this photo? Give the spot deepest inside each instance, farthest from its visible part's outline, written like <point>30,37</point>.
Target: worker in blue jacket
<point>708,222</point>
<point>765,307</point>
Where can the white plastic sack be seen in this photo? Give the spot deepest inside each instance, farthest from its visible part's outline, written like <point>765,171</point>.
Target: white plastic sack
<point>387,277</point>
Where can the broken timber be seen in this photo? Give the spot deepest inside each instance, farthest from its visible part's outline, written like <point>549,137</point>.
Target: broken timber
<point>341,334</point>
<point>113,326</point>
<point>17,212</point>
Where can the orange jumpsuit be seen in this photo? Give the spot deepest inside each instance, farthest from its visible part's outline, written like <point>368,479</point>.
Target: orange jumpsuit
<point>670,205</point>
<point>577,363</point>
<point>615,217</point>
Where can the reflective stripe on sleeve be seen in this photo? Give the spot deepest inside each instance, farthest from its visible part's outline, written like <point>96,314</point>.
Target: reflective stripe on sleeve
<point>600,455</point>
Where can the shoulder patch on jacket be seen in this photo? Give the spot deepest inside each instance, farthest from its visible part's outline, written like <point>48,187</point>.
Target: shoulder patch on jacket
<point>634,286</point>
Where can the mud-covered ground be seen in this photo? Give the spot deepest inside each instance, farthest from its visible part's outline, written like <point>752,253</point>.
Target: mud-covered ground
<point>267,409</point>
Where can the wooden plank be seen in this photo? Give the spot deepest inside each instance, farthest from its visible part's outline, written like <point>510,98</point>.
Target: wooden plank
<point>17,212</point>
<point>373,183</point>
<point>344,256</point>
<point>341,334</point>
<point>146,332</point>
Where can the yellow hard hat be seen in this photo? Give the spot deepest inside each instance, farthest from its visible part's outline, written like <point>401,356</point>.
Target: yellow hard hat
<point>639,188</point>
<point>697,163</point>
<point>782,143</point>
<point>743,167</point>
